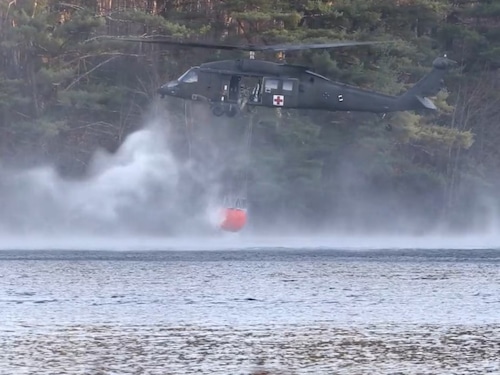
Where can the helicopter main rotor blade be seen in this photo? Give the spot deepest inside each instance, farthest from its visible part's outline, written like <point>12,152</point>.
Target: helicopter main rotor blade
<point>255,48</point>
<point>298,47</point>
<point>157,40</point>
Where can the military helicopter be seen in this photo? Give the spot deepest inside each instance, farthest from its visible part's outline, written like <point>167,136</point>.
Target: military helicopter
<point>282,85</point>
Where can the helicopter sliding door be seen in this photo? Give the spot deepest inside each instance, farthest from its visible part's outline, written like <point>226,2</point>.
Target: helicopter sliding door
<point>228,87</point>
<point>280,92</point>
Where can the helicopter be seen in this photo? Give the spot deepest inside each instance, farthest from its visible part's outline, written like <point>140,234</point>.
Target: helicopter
<point>230,85</point>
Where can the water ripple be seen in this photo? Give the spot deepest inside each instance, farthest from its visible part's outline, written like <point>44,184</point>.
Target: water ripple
<point>314,349</point>
<point>179,314</point>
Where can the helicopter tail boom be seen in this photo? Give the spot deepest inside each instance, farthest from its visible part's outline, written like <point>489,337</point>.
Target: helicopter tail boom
<point>342,97</point>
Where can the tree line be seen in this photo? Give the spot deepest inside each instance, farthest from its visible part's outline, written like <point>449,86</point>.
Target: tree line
<point>66,91</point>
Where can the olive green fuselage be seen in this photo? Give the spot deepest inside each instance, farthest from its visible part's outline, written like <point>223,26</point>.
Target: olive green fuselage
<point>225,83</point>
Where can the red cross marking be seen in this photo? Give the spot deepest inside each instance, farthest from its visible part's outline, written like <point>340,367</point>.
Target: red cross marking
<point>278,100</point>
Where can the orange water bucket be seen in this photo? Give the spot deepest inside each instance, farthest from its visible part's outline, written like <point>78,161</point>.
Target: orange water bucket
<point>233,219</point>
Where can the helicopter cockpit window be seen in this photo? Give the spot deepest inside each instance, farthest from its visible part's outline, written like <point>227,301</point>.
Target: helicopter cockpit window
<point>189,77</point>
<point>271,84</point>
<point>288,85</point>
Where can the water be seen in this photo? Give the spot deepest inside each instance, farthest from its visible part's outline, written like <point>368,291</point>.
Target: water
<point>89,285</point>
<point>303,311</point>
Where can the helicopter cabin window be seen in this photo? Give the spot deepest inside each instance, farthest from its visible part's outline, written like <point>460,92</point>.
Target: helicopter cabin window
<point>271,84</point>
<point>190,76</point>
<point>287,85</point>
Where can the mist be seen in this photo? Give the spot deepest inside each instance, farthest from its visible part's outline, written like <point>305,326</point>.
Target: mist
<point>144,196</point>
<point>136,191</point>
<point>363,205</point>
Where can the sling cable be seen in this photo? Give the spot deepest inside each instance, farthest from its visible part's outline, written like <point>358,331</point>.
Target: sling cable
<point>235,204</point>
<point>232,216</point>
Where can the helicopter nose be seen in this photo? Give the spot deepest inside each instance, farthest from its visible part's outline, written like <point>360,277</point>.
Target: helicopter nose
<point>169,88</point>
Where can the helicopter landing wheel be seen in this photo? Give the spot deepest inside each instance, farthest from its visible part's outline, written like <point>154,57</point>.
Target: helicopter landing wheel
<point>231,111</point>
<point>218,110</point>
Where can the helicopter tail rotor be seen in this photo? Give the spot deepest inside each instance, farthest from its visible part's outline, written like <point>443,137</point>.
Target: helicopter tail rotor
<point>443,63</point>
<point>418,96</point>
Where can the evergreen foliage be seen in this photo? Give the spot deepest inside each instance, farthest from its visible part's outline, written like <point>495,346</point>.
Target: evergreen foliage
<point>64,92</point>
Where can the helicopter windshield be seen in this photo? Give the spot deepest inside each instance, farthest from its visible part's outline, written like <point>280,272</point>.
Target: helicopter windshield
<point>190,76</point>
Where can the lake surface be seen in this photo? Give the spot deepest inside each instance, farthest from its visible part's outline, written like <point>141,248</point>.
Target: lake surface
<point>300,311</point>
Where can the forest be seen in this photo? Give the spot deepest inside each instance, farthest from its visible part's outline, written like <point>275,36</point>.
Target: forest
<point>66,91</point>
